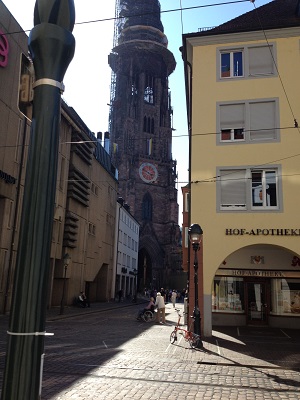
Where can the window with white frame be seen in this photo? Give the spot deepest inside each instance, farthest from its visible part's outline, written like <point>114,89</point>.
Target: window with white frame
<point>232,64</point>
<point>264,189</point>
<point>232,122</point>
<point>251,189</point>
<point>187,202</point>
<point>248,61</point>
<point>233,189</point>
<point>186,237</point>
<point>248,121</point>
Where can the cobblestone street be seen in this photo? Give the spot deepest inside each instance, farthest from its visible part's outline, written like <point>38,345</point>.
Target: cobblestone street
<point>108,354</point>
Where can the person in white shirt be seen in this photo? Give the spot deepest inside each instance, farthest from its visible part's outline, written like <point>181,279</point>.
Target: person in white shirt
<point>161,308</point>
<point>174,297</point>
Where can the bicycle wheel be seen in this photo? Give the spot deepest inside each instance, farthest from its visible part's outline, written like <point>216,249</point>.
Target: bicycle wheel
<point>148,316</point>
<point>195,341</point>
<point>173,337</point>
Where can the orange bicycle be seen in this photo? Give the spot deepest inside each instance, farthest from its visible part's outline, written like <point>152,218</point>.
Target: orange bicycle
<point>191,337</point>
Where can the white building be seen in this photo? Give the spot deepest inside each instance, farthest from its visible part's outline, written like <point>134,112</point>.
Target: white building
<point>126,254</point>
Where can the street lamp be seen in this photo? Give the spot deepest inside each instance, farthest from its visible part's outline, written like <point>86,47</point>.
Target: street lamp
<point>66,261</point>
<point>195,235</point>
<point>135,272</point>
<point>51,46</point>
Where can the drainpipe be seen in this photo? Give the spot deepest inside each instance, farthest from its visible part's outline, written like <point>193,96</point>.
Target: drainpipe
<point>188,72</point>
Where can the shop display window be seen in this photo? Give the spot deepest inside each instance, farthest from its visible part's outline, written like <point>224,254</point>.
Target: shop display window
<point>285,297</point>
<point>228,295</point>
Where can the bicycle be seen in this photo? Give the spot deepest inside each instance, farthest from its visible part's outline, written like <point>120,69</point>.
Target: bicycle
<point>191,337</point>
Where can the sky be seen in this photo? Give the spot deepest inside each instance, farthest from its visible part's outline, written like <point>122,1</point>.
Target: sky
<point>87,80</point>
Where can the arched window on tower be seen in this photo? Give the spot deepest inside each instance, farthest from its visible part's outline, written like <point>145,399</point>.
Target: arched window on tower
<point>149,89</point>
<point>152,126</point>
<point>147,207</point>
<point>148,125</point>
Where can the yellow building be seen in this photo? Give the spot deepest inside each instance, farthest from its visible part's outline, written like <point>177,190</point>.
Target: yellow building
<point>242,85</point>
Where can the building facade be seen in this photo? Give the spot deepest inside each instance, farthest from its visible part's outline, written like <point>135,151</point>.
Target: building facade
<point>86,191</point>
<point>242,85</point>
<point>126,258</point>
<point>141,134</point>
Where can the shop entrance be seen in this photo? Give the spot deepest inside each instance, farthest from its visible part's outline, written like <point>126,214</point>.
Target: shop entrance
<point>257,302</point>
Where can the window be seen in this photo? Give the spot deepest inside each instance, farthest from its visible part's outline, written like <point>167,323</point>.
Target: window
<point>285,297</point>
<point>186,237</point>
<point>248,121</point>
<point>187,202</point>
<point>147,207</point>
<point>231,64</point>
<point>261,60</point>
<point>264,188</point>
<point>92,229</point>
<point>233,189</point>
<point>249,189</point>
<point>149,89</point>
<point>249,61</point>
<point>232,122</point>
<point>228,295</point>
<point>262,120</point>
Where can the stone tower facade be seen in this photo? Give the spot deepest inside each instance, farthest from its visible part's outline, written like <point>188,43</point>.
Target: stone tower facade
<point>141,134</point>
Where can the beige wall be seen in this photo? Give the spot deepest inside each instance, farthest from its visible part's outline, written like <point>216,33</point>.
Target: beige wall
<point>207,156</point>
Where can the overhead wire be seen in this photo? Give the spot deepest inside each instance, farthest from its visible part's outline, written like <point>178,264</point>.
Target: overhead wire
<point>181,9</point>
<point>143,14</point>
<point>214,179</point>
<point>173,136</point>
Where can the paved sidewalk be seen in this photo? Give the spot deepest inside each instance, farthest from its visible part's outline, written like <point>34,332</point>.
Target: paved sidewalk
<point>136,360</point>
<point>248,346</point>
<point>72,311</point>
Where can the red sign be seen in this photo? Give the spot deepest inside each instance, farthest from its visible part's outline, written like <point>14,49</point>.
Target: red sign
<point>4,50</point>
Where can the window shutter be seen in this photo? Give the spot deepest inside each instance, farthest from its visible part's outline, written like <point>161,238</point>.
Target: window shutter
<point>232,116</point>
<point>262,121</point>
<point>233,188</point>
<point>261,60</point>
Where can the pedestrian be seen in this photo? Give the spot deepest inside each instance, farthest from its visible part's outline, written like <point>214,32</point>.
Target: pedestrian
<point>183,294</point>
<point>174,297</point>
<point>82,299</point>
<point>163,293</point>
<point>161,309</point>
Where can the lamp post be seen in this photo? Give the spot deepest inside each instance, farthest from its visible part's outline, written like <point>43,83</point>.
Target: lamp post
<point>135,272</point>
<point>66,261</point>
<point>195,235</point>
<point>51,46</point>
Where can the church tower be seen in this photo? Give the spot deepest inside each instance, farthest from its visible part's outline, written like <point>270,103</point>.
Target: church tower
<point>141,134</point>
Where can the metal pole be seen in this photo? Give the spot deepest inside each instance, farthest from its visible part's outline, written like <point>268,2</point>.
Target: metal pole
<point>196,312</point>
<point>52,48</point>
<point>135,283</point>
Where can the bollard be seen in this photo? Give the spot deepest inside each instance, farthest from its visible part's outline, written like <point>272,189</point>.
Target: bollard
<point>185,309</point>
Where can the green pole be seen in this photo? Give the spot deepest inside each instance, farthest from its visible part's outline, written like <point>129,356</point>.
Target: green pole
<point>52,47</point>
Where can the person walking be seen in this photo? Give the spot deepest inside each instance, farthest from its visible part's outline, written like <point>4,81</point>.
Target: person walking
<point>161,309</point>
<point>174,297</point>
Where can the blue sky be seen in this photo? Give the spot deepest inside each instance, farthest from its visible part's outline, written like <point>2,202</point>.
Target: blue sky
<point>87,80</point>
